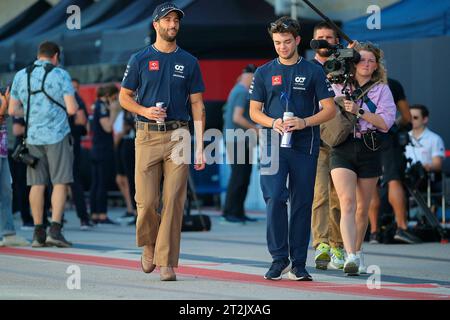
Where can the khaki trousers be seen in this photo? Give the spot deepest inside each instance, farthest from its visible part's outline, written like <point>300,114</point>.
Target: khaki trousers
<point>325,211</point>
<point>153,161</point>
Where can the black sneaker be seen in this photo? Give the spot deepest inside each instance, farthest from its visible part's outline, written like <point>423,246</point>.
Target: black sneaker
<point>299,274</point>
<point>107,221</point>
<point>277,269</point>
<point>55,237</point>
<point>406,237</point>
<point>39,237</point>
<point>374,239</point>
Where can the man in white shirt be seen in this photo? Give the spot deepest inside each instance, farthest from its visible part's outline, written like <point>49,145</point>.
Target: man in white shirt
<point>427,147</point>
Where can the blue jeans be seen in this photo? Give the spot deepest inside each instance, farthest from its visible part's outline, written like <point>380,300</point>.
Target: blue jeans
<point>6,218</point>
<point>289,236</point>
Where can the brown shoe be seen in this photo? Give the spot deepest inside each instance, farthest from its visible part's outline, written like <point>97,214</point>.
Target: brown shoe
<point>167,274</point>
<point>147,260</point>
<point>147,265</point>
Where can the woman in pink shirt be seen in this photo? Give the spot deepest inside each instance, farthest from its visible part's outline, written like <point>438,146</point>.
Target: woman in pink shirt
<point>356,163</point>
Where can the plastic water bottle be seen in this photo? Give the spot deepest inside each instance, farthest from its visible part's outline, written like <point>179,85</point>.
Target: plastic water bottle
<point>163,106</point>
<point>286,139</point>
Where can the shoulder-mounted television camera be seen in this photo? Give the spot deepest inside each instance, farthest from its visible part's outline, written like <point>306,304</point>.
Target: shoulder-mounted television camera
<point>338,65</point>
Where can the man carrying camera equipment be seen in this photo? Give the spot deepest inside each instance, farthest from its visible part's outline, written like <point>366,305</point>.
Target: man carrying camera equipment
<point>327,239</point>
<point>7,229</point>
<point>356,163</point>
<point>393,166</point>
<point>44,93</point>
<point>288,87</point>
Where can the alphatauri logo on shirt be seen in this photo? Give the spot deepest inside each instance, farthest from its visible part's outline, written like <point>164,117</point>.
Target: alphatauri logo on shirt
<point>277,81</point>
<point>153,65</point>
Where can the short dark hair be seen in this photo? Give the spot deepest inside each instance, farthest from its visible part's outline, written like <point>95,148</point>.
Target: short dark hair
<point>76,80</point>
<point>324,25</point>
<point>423,110</point>
<point>48,49</point>
<point>110,89</point>
<point>285,25</point>
<point>101,92</point>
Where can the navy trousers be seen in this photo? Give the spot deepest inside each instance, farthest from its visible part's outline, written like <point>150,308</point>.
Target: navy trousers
<point>289,236</point>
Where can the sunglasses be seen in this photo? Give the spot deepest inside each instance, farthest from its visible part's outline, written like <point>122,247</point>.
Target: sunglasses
<point>284,25</point>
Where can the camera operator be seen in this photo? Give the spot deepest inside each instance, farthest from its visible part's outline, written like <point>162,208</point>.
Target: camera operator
<point>327,239</point>
<point>45,92</point>
<point>356,163</point>
<point>393,165</point>
<point>426,146</point>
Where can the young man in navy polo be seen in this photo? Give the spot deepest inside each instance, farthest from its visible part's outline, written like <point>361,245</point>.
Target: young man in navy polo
<point>163,73</point>
<point>290,83</point>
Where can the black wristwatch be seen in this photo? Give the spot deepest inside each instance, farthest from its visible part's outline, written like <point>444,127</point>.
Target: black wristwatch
<point>361,112</point>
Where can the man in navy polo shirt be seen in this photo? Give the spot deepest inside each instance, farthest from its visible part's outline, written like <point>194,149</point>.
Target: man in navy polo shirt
<point>290,83</point>
<point>162,72</point>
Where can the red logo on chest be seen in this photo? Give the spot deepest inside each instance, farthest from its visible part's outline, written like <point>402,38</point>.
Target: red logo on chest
<point>153,65</point>
<point>277,80</point>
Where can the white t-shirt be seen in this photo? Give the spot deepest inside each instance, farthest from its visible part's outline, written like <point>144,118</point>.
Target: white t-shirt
<point>425,148</point>
<point>118,123</point>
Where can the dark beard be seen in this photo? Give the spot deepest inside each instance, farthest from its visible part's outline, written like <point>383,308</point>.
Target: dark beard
<point>165,35</point>
<point>324,54</point>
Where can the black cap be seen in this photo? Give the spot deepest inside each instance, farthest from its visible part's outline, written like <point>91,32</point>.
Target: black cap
<point>250,68</point>
<point>164,9</point>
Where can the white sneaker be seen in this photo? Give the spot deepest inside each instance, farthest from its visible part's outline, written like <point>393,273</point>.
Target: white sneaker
<point>362,266</point>
<point>15,241</point>
<point>351,264</point>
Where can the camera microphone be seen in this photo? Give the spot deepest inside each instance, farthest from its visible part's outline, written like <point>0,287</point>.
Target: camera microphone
<point>319,44</point>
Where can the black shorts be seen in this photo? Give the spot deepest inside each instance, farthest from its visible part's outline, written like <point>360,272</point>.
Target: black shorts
<point>355,156</point>
<point>392,160</point>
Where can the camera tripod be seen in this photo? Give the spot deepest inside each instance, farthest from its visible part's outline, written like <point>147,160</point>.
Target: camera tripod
<point>425,211</point>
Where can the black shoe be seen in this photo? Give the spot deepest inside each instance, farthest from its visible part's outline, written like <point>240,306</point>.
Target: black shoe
<point>277,269</point>
<point>299,274</point>
<point>86,225</point>
<point>39,237</point>
<point>248,219</point>
<point>55,237</point>
<point>374,238</point>
<point>107,221</point>
<point>406,237</point>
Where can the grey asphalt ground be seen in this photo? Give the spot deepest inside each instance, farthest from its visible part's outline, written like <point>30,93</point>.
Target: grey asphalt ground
<point>226,263</point>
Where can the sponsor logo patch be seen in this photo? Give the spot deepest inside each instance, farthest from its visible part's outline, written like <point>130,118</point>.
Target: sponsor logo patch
<point>277,81</point>
<point>153,65</point>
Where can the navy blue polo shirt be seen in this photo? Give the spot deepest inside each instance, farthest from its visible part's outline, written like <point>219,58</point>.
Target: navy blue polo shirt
<point>300,86</point>
<point>164,77</point>
<point>102,141</point>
